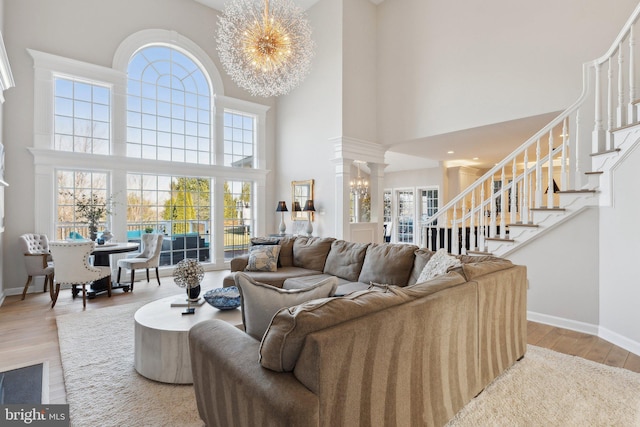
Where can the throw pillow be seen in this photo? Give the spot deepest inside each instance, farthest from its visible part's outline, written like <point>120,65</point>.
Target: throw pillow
<point>263,258</point>
<point>261,301</point>
<point>437,265</point>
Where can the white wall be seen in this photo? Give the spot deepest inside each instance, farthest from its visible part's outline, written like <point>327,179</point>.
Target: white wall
<point>445,65</point>
<point>359,70</point>
<point>562,268</point>
<point>416,178</point>
<point>90,31</point>
<point>312,114</point>
<point>2,246</point>
<point>619,238</point>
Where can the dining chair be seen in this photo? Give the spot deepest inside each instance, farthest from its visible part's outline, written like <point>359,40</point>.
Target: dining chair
<point>148,258</point>
<point>72,267</point>
<point>37,260</point>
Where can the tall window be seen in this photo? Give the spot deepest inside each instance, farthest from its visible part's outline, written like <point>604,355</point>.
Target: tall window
<point>239,138</point>
<point>178,207</point>
<point>168,107</point>
<point>405,215</point>
<point>428,203</point>
<point>71,187</point>
<point>82,117</point>
<point>238,219</point>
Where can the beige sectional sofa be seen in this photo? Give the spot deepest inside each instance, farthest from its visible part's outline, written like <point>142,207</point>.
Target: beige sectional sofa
<point>399,354</point>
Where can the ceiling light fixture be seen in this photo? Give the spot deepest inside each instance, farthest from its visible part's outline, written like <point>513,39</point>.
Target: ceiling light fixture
<point>265,46</point>
<point>450,152</point>
<point>359,187</point>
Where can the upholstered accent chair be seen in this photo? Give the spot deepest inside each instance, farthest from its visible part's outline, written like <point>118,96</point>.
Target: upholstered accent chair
<point>73,267</point>
<point>148,258</point>
<point>37,260</point>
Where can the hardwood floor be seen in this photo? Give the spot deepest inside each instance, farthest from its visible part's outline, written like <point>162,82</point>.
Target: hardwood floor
<point>29,335</point>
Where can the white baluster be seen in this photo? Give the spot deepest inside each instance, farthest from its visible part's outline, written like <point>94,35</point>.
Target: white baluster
<point>538,202</point>
<point>564,176</point>
<point>631,110</point>
<point>503,208</point>
<point>472,223</point>
<point>550,173</point>
<point>463,225</point>
<point>610,109</point>
<point>483,219</point>
<point>455,248</point>
<point>492,226</point>
<point>621,113</point>
<point>513,193</point>
<point>429,245</point>
<point>598,131</point>
<point>524,213</point>
<point>445,229</point>
<point>577,168</point>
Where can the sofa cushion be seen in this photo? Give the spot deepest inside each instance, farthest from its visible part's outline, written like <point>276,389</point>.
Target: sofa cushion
<point>273,278</point>
<point>311,252</point>
<point>261,301</point>
<point>286,247</point>
<point>422,257</point>
<point>263,258</point>
<point>285,337</point>
<point>388,263</point>
<point>438,265</point>
<point>434,285</point>
<point>345,259</point>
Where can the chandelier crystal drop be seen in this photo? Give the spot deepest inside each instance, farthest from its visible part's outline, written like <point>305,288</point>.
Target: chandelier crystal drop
<point>265,46</point>
<point>359,187</point>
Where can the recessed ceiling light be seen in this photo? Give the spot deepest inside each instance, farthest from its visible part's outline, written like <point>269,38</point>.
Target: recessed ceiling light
<point>449,152</point>
<point>475,158</point>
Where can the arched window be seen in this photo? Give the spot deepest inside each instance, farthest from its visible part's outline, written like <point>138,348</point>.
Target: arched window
<point>168,107</point>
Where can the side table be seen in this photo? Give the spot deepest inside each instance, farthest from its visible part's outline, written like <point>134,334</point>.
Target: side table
<point>161,343</point>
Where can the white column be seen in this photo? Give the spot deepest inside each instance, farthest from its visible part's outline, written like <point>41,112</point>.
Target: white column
<point>342,202</point>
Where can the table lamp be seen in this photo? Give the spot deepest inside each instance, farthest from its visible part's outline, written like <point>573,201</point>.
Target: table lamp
<point>308,207</point>
<point>282,208</point>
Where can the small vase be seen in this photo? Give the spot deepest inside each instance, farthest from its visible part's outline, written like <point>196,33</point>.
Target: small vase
<point>193,293</point>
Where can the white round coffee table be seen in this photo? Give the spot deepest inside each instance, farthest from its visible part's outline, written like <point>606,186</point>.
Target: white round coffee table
<point>162,338</point>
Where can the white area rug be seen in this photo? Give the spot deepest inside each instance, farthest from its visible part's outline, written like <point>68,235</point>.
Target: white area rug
<point>544,389</point>
<point>103,388</point>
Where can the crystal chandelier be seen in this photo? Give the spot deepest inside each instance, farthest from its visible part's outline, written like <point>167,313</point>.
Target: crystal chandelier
<point>359,187</point>
<point>265,47</point>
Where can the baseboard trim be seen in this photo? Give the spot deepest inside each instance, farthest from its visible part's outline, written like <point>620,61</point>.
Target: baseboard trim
<point>561,322</point>
<point>619,340</point>
<point>587,328</point>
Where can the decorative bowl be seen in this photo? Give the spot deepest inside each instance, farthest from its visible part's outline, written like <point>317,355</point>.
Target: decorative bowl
<point>223,298</point>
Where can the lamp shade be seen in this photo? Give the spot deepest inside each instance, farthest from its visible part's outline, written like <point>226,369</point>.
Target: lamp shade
<point>296,207</point>
<point>309,206</point>
<point>282,206</point>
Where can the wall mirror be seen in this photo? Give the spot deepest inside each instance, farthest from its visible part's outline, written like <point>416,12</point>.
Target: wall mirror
<point>301,191</point>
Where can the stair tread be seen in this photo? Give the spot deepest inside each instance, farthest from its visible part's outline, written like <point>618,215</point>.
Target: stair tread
<point>600,153</point>
<point>630,125</point>
<point>499,239</point>
<point>575,191</point>
<point>520,224</point>
<point>548,209</point>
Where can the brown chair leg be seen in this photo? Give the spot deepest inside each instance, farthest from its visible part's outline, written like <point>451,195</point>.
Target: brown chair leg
<point>109,286</point>
<point>157,276</point>
<point>133,276</point>
<point>84,295</point>
<point>46,280</point>
<point>119,271</point>
<point>147,275</point>
<point>55,296</point>
<point>51,291</point>
<point>26,286</point>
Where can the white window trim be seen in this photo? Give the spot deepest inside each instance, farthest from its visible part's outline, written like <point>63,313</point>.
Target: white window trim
<point>46,160</point>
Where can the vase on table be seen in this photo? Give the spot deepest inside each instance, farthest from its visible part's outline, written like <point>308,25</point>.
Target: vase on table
<point>193,293</point>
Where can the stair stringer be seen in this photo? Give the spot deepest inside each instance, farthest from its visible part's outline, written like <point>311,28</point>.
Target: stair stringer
<point>573,203</point>
<point>626,141</point>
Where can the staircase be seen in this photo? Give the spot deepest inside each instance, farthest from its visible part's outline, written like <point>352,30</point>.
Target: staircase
<point>563,169</point>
